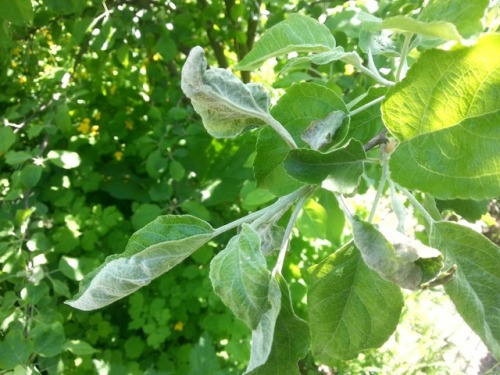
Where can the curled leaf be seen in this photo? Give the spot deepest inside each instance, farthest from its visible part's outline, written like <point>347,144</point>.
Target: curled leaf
<point>396,257</point>
<point>226,105</point>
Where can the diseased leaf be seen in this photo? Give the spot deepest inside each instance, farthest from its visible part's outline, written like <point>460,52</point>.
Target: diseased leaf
<point>302,104</point>
<point>226,105</point>
<point>474,288</point>
<point>150,252</point>
<point>240,277</point>
<point>290,342</point>
<point>437,29</point>
<point>321,58</point>
<point>321,132</point>
<point>464,14</point>
<point>338,170</point>
<point>446,112</point>
<point>262,335</point>
<point>297,33</point>
<point>351,308</point>
<point>397,258</point>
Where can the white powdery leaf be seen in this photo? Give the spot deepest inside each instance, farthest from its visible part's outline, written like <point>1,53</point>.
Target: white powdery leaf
<point>226,105</point>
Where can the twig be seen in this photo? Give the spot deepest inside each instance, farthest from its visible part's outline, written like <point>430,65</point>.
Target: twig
<point>377,140</point>
<point>286,238</point>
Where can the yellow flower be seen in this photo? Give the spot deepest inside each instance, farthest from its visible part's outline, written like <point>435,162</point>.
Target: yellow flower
<point>156,56</point>
<point>94,129</point>
<point>84,126</point>
<point>129,125</point>
<point>348,69</point>
<point>118,155</point>
<point>179,326</point>
<point>22,80</point>
<point>13,64</point>
<point>97,115</point>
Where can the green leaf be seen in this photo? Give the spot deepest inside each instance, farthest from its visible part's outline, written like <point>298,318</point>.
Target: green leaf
<point>240,277</point>
<point>15,349</point>
<point>341,168</point>
<point>226,105</point>
<point>290,342</point>
<point>297,33</point>
<point>30,175</point>
<point>404,261</point>
<point>48,339</point>
<point>301,105</point>
<point>62,118</point>
<point>17,157</point>
<point>262,335</point>
<point>144,214</point>
<point>150,252</point>
<point>18,12</point>
<point>474,288</point>
<point>368,123</point>
<point>335,219</point>
<point>203,358</point>
<point>7,139</point>
<point>79,347</point>
<point>446,112</point>
<point>351,308</point>
<point>465,14</point>
<point>438,29</point>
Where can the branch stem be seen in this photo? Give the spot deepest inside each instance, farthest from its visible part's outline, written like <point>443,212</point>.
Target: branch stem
<point>270,211</point>
<point>404,54</point>
<point>417,204</point>
<point>381,185</point>
<point>286,238</point>
<point>366,106</point>
<point>282,132</point>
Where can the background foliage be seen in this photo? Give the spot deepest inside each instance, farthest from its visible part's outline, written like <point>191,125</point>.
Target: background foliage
<point>97,140</point>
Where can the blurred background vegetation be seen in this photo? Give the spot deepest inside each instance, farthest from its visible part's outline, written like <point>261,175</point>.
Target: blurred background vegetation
<point>97,139</point>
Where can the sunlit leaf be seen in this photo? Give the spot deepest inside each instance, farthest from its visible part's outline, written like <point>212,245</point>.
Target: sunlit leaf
<point>464,14</point>
<point>446,112</point>
<point>150,252</point>
<point>64,159</point>
<point>438,29</point>
<point>297,33</point>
